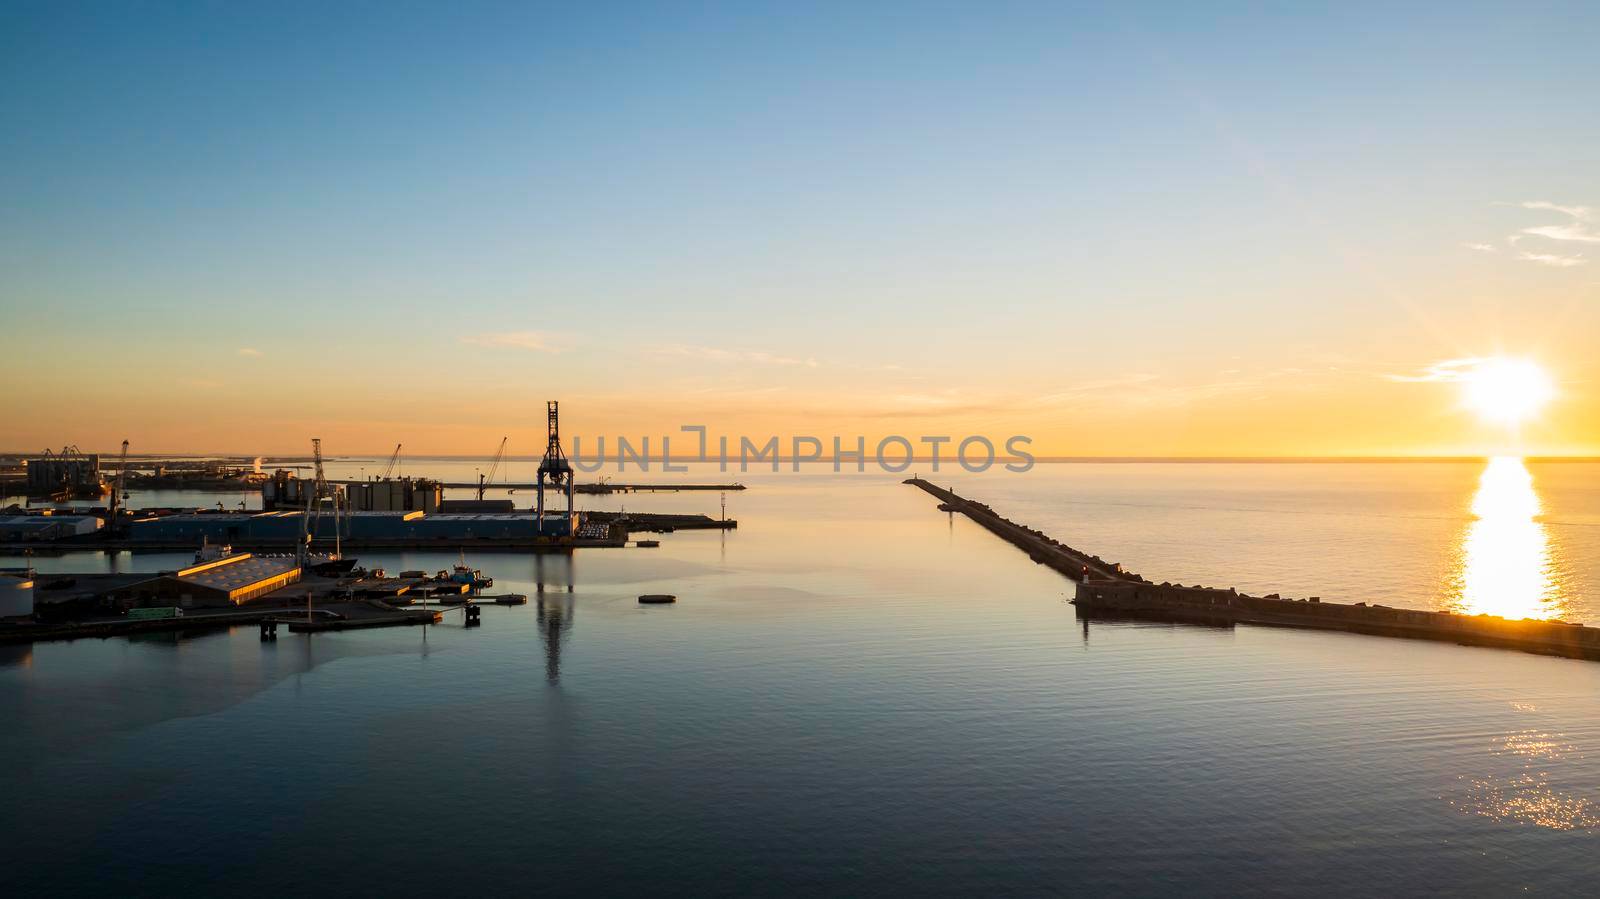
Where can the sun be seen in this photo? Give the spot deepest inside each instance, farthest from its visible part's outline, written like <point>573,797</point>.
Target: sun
<point>1507,391</point>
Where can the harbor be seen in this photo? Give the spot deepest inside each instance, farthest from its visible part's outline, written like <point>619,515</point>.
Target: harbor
<point>292,562</point>
<point>224,588</point>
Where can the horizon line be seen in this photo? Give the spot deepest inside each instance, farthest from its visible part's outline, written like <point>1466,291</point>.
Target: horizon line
<point>915,460</point>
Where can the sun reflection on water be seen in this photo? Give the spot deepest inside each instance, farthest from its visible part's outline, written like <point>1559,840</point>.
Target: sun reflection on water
<point>1504,566</point>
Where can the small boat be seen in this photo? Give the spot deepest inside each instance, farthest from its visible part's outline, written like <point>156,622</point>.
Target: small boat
<point>472,577</point>
<point>657,599</point>
<point>211,552</point>
<point>647,544</point>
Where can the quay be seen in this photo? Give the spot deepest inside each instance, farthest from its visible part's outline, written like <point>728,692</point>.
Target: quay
<point>597,487</point>
<point>1106,591</point>
<point>360,531</point>
<point>239,590</point>
<point>326,617</point>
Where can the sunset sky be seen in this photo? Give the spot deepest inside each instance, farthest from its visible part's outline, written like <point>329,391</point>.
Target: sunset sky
<point>1133,229</point>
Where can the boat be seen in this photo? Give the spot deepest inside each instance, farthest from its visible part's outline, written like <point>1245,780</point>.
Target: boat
<point>472,577</point>
<point>211,552</point>
<point>657,599</point>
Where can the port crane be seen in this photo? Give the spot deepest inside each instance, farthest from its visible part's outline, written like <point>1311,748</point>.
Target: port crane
<point>494,466</point>
<point>321,490</point>
<point>118,492</point>
<point>554,468</point>
<point>393,460</point>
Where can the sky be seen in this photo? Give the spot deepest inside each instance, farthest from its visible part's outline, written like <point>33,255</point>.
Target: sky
<point>1130,229</point>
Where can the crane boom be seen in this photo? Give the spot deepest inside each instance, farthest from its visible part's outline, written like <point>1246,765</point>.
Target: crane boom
<point>494,466</point>
<point>117,486</point>
<point>393,460</point>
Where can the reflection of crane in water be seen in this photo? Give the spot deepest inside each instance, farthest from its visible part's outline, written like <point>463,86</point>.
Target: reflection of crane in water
<point>554,616</point>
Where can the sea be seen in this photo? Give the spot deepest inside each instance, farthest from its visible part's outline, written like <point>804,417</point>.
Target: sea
<point>858,694</point>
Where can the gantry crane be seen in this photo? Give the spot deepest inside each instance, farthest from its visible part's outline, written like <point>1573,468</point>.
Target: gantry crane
<point>554,467</point>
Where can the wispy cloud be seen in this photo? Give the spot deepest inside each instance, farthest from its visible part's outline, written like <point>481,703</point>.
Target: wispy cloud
<point>1447,371</point>
<point>1576,230</point>
<point>536,341</point>
<point>717,354</point>
<point>1552,259</point>
<point>251,352</point>
<point>1581,213</point>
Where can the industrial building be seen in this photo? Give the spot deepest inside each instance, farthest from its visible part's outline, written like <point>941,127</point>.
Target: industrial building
<point>227,581</point>
<point>46,526</point>
<point>68,472</point>
<point>284,491</point>
<point>394,495</point>
<point>285,528</point>
<point>230,580</point>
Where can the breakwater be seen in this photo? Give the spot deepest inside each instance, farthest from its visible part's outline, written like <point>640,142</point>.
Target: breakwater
<point>1210,605</point>
<point>1039,546</point>
<point>1105,590</point>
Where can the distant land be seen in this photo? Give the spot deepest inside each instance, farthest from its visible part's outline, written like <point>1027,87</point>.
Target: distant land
<point>109,457</point>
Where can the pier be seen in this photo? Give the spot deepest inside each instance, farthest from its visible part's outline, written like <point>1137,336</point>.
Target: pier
<point>1106,591</point>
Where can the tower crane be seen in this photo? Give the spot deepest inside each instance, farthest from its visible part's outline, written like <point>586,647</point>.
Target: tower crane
<point>494,466</point>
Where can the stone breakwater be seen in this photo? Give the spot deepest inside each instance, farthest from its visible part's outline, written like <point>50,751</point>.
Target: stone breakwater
<point>1105,590</point>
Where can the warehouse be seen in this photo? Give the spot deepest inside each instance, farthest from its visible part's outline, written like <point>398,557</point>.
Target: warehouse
<point>28,528</point>
<point>284,528</point>
<point>230,580</point>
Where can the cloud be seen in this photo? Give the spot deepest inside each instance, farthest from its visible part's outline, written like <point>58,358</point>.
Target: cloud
<point>1482,247</point>
<point>250,352</point>
<point>1552,259</point>
<point>1449,370</point>
<point>715,354</point>
<point>536,341</point>
<point>1581,213</point>
<point>1574,231</point>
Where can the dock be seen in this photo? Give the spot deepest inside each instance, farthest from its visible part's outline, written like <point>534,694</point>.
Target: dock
<point>286,539</point>
<point>596,487</point>
<point>1106,591</point>
<point>356,616</point>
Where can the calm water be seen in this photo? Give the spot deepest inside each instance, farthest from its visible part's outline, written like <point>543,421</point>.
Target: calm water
<point>859,693</point>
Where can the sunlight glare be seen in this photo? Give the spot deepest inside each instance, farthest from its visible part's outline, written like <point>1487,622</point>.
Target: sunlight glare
<point>1504,563</point>
<point>1507,391</point>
